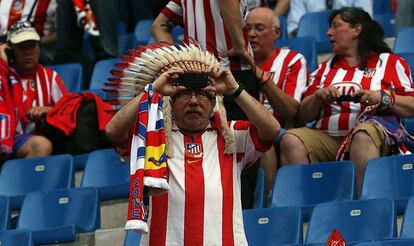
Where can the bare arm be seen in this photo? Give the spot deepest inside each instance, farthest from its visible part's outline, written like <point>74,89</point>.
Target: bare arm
<point>162,29</point>
<point>310,106</point>
<point>281,7</point>
<point>230,11</point>
<point>286,106</point>
<point>267,126</point>
<point>403,106</point>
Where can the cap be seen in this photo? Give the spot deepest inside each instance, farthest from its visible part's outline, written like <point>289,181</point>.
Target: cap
<point>22,31</point>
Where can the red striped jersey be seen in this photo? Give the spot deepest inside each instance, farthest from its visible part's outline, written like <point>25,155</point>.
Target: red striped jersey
<point>202,21</point>
<point>384,71</point>
<point>203,204</point>
<point>43,17</point>
<point>290,74</point>
<point>44,88</point>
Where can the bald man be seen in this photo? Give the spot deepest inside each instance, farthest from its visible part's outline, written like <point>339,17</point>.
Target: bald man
<point>288,71</point>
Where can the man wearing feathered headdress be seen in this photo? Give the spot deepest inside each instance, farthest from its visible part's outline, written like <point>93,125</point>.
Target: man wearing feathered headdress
<point>204,152</point>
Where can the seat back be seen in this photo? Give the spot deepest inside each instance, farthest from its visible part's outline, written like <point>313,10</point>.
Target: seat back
<point>403,41</point>
<point>4,213</point>
<point>381,6</point>
<point>397,242</point>
<point>260,191</point>
<point>304,45</point>
<point>106,171</point>
<point>407,228</point>
<point>47,209</point>
<point>132,238</point>
<point>21,176</point>
<point>361,220</point>
<point>143,31</point>
<point>308,185</point>
<point>71,74</point>
<point>283,27</point>
<point>389,177</point>
<point>101,73</point>
<point>13,237</point>
<point>270,226</point>
<point>125,42</point>
<point>386,20</point>
<point>316,25</point>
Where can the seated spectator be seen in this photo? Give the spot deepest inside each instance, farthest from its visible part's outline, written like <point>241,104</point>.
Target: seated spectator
<point>43,16</point>
<point>300,7</point>
<point>379,90</point>
<point>281,90</point>
<point>34,89</point>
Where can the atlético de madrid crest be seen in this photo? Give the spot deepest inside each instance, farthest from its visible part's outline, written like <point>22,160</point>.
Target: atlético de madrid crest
<point>369,72</point>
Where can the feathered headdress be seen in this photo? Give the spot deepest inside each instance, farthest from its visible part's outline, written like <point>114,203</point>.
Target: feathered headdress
<point>146,63</point>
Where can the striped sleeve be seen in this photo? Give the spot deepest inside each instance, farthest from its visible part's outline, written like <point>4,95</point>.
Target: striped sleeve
<point>296,78</point>
<point>248,146</point>
<point>404,86</point>
<point>174,11</point>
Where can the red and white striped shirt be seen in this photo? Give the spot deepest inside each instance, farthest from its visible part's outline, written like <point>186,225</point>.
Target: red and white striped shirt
<point>203,205</point>
<point>202,21</point>
<point>383,72</point>
<point>290,74</point>
<point>43,17</point>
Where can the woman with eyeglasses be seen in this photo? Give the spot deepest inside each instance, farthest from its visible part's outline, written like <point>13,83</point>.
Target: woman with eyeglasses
<point>355,99</point>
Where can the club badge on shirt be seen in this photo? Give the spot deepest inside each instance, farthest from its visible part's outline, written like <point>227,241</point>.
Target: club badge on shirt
<point>369,72</point>
<point>194,150</point>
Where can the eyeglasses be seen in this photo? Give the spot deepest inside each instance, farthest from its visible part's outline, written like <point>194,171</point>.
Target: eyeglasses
<point>259,27</point>
<point>188,94</point>
<point>19,25</point>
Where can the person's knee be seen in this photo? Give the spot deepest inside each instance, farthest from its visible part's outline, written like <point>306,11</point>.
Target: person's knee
<point>36,146</point>
<point>289,143</point>
<point>361,139</point>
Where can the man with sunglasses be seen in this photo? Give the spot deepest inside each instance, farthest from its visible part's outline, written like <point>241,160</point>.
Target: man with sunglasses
<point>34,88</point>
<point>281,90</point>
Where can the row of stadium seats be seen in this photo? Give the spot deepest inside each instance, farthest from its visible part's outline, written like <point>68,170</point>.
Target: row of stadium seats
<point>357,221</point>
<point>308,185</point>
<point>104,170</point>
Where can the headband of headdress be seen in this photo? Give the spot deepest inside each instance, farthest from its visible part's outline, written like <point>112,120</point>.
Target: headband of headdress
<point>146,63</point>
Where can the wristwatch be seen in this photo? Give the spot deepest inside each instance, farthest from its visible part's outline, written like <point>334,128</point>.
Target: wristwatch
<point>237,92</point>
<point>386,100</point>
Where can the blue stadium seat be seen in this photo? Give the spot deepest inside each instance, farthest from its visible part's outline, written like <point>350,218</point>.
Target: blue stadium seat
<point>316,25</point>
<point>307,185</point>
<point>361,220</point>
<point>143,31</point>
<point>16,238</point>
<point>304,45</point>
<point>71,74</point>
<point>178,33</point>
<point>407,228</point>
<point>260,192</point>
<point>106,171</point>
<point>273,226</point>
<point>21,176</point>
<point>121,28</point>
<point>4,213</point>
<point>387,20</point>
<point>283,27</point>
<point>396,242</point>
<point>390,177</point>
<point>57,215</point>
<point>132,238</point>
<point>403,41</point>
<point>101,73</point>
<point>381,6</point>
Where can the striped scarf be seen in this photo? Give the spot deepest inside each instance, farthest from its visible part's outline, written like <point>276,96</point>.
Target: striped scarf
<point>148,165</point>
